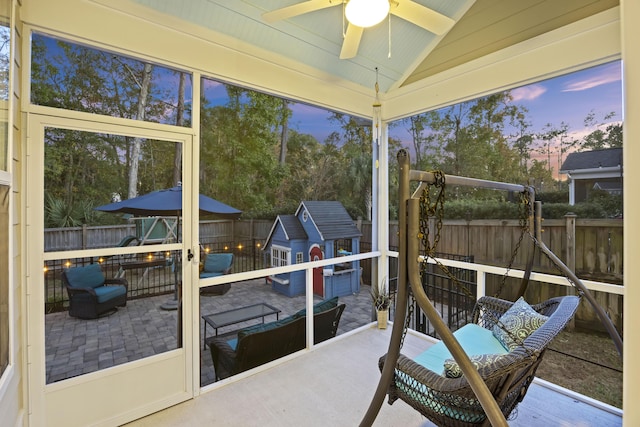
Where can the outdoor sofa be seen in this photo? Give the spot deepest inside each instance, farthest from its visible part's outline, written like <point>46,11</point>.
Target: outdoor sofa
<point>262,343</point>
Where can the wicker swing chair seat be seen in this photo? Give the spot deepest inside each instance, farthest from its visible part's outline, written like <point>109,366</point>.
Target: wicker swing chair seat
<point>451,401</point>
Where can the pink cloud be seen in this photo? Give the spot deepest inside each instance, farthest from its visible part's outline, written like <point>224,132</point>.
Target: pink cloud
<point>528,93</point>
<point>608,75</point>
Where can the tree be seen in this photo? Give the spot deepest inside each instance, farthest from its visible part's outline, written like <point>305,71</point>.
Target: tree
<point>284,134</point>
<point>553,138</point>
<point>239,150</point>
<point>540,176</point>
<point>599,138</point>
<point>137,142</point>
<point>468,139</point>
<point>354,178</point>
<point>177,160</point>
<point>84,168</point>
<point>523,139</point>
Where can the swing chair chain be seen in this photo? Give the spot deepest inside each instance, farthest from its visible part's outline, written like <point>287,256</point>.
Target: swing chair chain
<point>430,209</point>
<point>523,222</point>
<point>407,320</point>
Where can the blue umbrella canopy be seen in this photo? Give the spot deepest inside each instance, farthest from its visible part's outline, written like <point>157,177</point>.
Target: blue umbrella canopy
<point>168,202</point>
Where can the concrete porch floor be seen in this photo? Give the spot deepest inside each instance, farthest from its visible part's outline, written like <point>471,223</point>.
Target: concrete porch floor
<point>333,384</point>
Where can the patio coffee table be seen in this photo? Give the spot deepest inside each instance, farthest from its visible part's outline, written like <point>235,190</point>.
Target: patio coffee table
<point>237,315</point>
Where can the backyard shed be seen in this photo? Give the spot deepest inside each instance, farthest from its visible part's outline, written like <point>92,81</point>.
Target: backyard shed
<point>318,230</point>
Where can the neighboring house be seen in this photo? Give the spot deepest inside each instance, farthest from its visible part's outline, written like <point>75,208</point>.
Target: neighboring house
<point>318,230</point>
<point>589,170</point>
<point>611,187</point>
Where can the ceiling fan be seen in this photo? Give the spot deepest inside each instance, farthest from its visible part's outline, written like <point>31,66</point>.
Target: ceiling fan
<point>358,11</point>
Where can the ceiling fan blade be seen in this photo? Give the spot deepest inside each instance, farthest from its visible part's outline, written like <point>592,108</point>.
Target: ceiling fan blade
<point>297,9</point>
<point>422,16</point>
<point>351,42</point>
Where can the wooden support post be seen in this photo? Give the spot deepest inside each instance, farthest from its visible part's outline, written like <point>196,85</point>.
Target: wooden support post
<point>570,225</point>
<point>570,257</point>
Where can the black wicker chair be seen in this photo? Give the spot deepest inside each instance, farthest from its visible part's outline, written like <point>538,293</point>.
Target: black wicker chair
<point>451,401</point>
<point>91,294</point>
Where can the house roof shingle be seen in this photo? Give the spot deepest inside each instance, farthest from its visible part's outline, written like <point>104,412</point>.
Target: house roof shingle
<point>610,157</point>
<point>292,227</point>
<point>331,219</point>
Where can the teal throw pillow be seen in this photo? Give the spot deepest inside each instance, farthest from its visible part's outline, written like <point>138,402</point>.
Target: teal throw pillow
<point>217,262</point>
<point>452,369</point>
<point>88,276</point>
<point>517,324</point>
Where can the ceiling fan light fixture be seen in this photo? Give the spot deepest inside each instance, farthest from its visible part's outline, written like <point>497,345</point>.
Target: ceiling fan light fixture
<point>366,13</point>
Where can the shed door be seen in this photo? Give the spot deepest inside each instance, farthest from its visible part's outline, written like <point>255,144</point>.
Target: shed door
<point>315,254</point>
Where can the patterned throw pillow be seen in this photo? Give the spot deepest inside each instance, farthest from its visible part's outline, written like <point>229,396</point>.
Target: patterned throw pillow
<point>452,369</point>
<point>517,324</point>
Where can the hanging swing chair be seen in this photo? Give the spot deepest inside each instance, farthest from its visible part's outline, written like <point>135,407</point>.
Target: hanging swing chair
<point>467,379</point>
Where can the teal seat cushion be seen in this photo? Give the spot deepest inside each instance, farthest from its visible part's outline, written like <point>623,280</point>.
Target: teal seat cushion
<point>217,263</point>
<point>206,274</point>
<point>477,343</point>
<point>319,307</point>
<point>107,293</point>
<point>88,276</point>
<point>233,343</point>
<point>474,339</point>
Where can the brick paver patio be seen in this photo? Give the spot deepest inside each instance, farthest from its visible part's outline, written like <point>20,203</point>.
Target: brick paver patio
<point>141,329</point>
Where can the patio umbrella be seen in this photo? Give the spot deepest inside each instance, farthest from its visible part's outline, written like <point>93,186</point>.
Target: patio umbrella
<point>169,202</point>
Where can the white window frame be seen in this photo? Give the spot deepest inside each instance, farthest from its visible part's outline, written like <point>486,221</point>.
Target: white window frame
<point>280,256</point>
<point>299,257</point>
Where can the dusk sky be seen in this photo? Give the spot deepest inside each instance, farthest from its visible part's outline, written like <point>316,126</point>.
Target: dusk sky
<point>568,99</point>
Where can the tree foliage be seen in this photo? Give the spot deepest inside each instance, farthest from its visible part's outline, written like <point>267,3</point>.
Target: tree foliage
<point>252,157</point>
<point>603,136</point>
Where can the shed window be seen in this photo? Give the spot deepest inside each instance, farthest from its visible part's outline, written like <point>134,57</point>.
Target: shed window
<point>299,257</point>
<point>280,256</point>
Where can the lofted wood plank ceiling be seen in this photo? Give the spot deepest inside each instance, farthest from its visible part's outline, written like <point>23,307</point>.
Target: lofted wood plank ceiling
<point>314,40</point>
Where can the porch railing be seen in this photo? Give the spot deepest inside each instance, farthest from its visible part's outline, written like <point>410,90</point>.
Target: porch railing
<point>148,274</point>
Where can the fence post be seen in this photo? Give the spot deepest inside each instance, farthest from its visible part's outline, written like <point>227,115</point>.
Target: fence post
<point>84,236</point>
<point>570,226</point>
<point>570,261</point>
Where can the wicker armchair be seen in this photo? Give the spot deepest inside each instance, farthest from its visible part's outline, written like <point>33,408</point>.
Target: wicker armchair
<point>451,401</point>
<point>91,294</point>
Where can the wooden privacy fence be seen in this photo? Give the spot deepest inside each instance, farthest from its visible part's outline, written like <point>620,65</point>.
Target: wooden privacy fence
<point>86,237</point>
<point>592,248</point>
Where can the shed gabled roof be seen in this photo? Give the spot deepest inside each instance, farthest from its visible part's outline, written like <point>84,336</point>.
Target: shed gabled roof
<point>291,226</point>
<point>610,157</point>
<point>331,219</point>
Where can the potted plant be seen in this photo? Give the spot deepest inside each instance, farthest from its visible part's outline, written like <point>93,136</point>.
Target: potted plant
<point>382,302</point>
